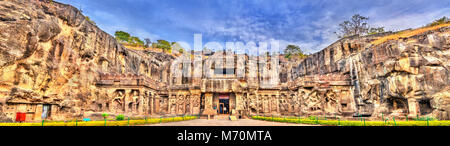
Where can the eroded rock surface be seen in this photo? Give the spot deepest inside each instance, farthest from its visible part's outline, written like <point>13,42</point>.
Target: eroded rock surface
<point>52,57</point>
<point>398,77</point>
<point>56,65</point>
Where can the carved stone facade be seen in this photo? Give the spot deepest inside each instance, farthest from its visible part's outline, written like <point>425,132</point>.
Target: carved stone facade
<point>60,66</point>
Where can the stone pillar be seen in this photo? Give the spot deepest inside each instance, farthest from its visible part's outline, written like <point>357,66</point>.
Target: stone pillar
<point>270,105</point>
<point>195,100</point>
<point>141,104</point>
<point>126,100</point>
<point>169,104</point>
<point>238,105</point>
<point>208,100</point>
<point>414,108</point>
<point>208,105</point>
<point>38,113</point>
<point>264,104</point>
<point>278,103</point>
<point>156,104</point>
<point>183,109</point>
<point>53,113</point>
<point>191,101</point>
<point>257,104</point>
<point>177,106</point>
<point>151,103</point>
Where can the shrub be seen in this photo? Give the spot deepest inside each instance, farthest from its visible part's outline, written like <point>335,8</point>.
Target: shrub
<point>425,119</point>
<point>312,120</point>
<point>120,117</point>
<point>105,115</point>
<point>102,123</point>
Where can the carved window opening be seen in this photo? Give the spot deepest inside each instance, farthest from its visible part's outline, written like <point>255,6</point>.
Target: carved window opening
<point>425,106</point>
<point>46,111</point>
<point>202,100</point>
<point>224,71</point>
<point>130,106</point>
<point>398,104</point>
<point>283,77</point>
<point>185,80</point>
<point>107,107</point>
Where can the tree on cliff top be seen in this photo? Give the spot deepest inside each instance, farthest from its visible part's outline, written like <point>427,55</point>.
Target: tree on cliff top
<point>125,37</point>
<point>147,42</point>
<point>356,26</point>
<point>164,45</point>
<point>135,41</point>
<point>176,46</point>
<point>439,21</point>
<point>122,36</point>
<point>294,50</point>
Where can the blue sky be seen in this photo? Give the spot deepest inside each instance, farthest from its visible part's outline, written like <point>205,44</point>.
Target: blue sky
<point>307,23</point>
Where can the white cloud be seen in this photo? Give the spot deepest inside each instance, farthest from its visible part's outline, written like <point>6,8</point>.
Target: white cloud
<point>411,20</point>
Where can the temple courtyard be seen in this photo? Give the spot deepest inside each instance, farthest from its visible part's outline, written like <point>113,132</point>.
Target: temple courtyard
<point>223,122</point>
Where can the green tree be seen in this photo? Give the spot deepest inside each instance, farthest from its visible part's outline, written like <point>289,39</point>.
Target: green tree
<point>163,42</point>
<point>177,46</point>
<point>164,45</point>
<point>356,26</point>
<point>147,42</point>
<point>122,36</point>
<point>105,115</point>
<point>293,50</point>
<point>439,21</point>
<point>135,41</point>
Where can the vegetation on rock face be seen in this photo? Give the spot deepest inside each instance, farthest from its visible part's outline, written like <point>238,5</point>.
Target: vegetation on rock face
<point>294,50</point>
<point>337,122</point>
<point>120,117</point>
<point>122,36</point>
<point>104,123</point>
<point>133,41</point>
<point>163,44</point>
<point>358,25</point>
<point>126,38</point>
<point>440,21</point>
<point>147,42</point>
<point>176,46</point>
<point>376,30</point>
<point>408,33</point>
<point>89,20</point>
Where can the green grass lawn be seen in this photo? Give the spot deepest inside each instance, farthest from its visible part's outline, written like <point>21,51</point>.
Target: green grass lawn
<point>325,122</point>
<point>125,122</point>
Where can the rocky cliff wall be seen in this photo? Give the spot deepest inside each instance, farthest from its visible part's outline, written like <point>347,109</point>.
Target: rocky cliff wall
<point>52,57</point>
<point>50,54</point>
<point>404,73</point>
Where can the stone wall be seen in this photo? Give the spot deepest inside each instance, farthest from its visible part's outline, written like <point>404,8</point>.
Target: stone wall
<point>50,54</point>
<point>399,77</point>
<point>51,57</point>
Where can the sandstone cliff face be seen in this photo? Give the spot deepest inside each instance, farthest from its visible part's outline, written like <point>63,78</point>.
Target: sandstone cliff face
<point>407,75</point>
<point>50,54</point>
<point>52,59</point>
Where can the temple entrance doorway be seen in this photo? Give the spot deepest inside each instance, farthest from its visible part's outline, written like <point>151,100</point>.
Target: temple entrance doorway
<point>224,103</point>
